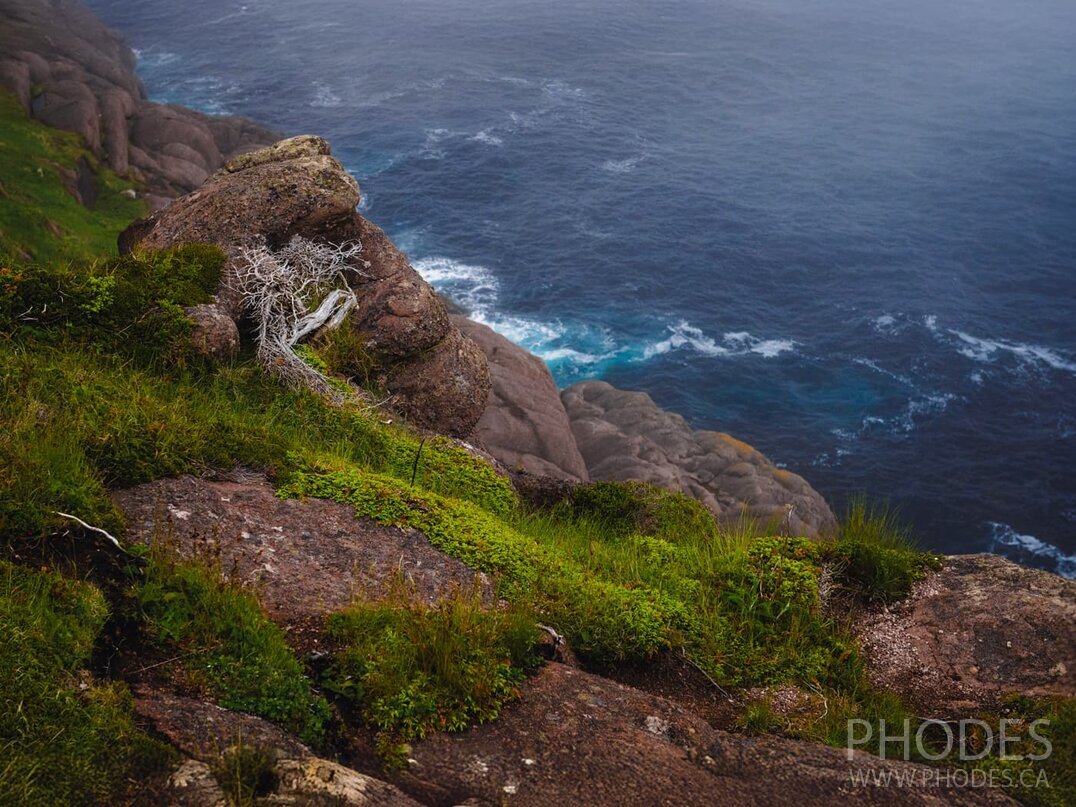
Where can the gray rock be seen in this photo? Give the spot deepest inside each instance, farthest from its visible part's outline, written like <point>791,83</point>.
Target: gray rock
<point>625,436</point>
<point>524,424</point>
<point>215,333</point>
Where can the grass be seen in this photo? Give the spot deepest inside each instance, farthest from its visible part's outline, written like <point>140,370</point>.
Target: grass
<point>98,391</point>
<point>64,739</point>
<point>875,556</point>
<point>227,644</point>
<point>412,668</point>
<point>39,219</point>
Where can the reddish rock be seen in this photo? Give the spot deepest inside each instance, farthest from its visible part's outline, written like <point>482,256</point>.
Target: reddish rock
<point>575,738</point>
<point>437,378</point>
<point>86,82</point>
<point>976,631</point>
<point>524,424</point>
<point>307,558</point>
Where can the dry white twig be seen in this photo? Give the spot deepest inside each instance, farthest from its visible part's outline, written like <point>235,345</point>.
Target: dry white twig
<point>105,533</point>
<point>292,293</point>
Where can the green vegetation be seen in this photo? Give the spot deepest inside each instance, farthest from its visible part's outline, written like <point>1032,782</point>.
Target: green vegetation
<point>412,668</point>
<point>63,740</point>
<point>875,556</point>
<point>228,645</point>
<point>1049,782</point>
<point>246,773</point>
<point>39,219</point>
<point>99,388</point>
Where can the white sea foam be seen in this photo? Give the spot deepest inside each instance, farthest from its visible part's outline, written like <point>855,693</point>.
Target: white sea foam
<point>324,97</point>
<point>625,166</point>
<point>681,335</point>
<point>1005,536</point>
<point>489,139</point>
<point>987,350</point>
<point>735,343</point>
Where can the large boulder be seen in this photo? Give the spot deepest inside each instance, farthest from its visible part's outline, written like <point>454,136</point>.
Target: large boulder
<point>625,436</point>
<point>524,424</point>
<point>576,738</point>
<point>437,378</point>
<point>977,630</point>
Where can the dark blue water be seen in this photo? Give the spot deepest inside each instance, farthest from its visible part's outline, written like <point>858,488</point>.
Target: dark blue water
<point>842,230</point>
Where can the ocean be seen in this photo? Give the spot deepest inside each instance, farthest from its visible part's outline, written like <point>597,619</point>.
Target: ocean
<point>841,230</point>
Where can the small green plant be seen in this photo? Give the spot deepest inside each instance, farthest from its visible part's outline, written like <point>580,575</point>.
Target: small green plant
<point>412,668</point>
<point>228,644</point>
<point>758,718</point>
<point>246,773</point>
<point>875,556</point>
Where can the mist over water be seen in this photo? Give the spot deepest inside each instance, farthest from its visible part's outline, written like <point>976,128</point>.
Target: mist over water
<point>844,231</point>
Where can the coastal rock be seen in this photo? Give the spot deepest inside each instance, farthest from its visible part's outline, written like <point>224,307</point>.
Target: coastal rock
<point>438,379</point>
<point>524,424</point>
<point>970,634</point>
<point>203,732</point>
<point>283,545</point>
<point>576,738</point>
<point>215,333</point>
<point>625,436</point>
<point>70,71</point>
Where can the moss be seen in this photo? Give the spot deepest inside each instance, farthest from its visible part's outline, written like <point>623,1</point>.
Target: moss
<point>411,668</point>
<point>63,743</point>
<point>228,644</point>
<point>34,197</point>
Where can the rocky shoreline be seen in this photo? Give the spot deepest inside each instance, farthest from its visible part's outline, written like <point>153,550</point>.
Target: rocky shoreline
<point>972,633</point>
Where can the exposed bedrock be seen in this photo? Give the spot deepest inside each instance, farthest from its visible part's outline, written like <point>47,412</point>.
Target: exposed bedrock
<point>978,630</point>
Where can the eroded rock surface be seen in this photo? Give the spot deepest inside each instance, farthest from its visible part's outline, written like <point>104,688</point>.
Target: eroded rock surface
<point>438,379</point>
<point>308,557</point>
<point>979,629</point>
<point>575,738</point>
<point>626,436</point>
<point>70,71</point>
<point>204,732</point>
<point>524,424</point>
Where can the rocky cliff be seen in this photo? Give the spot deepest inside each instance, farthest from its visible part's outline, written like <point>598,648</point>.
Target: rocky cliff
<point>70,71</point>
<point>310,603</point>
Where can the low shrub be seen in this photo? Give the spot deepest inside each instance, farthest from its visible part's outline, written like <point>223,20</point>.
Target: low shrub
<point>411,668</point>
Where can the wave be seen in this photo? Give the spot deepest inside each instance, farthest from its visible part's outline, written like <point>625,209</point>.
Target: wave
<point>987,350</point>
<point>1003,537</point>
<point>489,139</point>
<point>735,343</point>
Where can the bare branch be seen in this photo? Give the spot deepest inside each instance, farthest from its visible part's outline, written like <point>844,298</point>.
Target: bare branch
<point>105,533</point>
